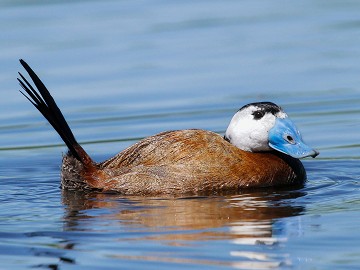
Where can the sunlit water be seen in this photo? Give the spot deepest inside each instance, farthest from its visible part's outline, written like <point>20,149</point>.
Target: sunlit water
<point>124,70</point>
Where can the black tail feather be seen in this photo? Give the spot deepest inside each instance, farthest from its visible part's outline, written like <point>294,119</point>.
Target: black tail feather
<point>44,102</point>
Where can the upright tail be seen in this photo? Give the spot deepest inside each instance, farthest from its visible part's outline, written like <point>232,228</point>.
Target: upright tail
<point>44,102</point>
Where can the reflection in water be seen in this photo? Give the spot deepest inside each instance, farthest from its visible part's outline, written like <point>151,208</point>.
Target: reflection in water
<point>250,219</point>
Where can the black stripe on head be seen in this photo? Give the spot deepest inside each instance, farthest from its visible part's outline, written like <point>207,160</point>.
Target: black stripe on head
<point>263,108</point>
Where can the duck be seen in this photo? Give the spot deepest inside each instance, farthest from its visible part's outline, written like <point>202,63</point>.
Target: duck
<point>261,148</point>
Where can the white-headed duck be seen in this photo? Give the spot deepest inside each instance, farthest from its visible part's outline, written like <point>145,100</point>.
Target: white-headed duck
<point>261,148</point>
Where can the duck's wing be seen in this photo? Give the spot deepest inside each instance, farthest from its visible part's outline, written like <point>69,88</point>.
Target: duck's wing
<point>172,147</point>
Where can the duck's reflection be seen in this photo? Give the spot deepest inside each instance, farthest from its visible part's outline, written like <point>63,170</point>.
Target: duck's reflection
<point>245,219</point>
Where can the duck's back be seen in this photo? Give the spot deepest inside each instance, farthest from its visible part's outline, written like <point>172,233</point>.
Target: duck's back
<point>193,161</point>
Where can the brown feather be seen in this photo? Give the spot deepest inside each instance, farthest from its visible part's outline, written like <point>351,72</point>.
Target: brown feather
<point>188,161</point>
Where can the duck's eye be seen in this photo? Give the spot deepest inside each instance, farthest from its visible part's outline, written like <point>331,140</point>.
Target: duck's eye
<point>258,115</point>
<point>290,139</point>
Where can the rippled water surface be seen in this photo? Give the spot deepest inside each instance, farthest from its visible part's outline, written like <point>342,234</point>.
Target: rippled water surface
<point>124,70</point>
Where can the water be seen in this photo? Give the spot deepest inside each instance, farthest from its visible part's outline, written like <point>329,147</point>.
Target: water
<point>123,70</point>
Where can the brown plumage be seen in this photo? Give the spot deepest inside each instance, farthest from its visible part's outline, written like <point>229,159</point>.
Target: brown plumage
<point>173,162</point>
<point>183,161</point>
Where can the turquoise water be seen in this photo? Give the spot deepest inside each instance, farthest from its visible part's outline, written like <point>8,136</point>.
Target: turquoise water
<point>124,70</point>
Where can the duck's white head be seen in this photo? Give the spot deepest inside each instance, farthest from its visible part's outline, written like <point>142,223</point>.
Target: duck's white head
<point>264,126</point>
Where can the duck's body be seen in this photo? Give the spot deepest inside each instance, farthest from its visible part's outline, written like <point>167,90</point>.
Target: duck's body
<point>183,161</point>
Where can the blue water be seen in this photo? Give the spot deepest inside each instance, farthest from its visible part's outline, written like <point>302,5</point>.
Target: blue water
<point>124,70</point>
